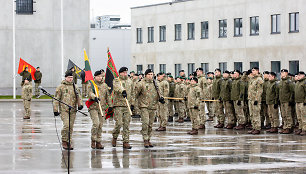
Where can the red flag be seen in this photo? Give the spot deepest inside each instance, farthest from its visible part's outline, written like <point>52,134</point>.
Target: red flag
<point>23,64</point>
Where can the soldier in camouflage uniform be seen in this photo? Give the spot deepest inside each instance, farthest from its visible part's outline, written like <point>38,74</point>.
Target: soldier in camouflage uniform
<point>95,112</point>
<point>85,87</point>
<point>264,106</point>
<point>272,91</point>
<point>181,92</point>
<point>171,94</point>
<point>202,83</point>
<point>218,106</point>
<point>187,83</point>
<point>123,87</point>
<point>255,95</point>
<point>26,75</point>
<point>136,110</point>
<point>27,97</point>
<point>207,93</point>
<point>300,100</point>
<point>286,98</point>
<point>37,81</point>
<point>193,103</point>
<point>148,98</point>
<point>162,112</point>
<point>70,94</point>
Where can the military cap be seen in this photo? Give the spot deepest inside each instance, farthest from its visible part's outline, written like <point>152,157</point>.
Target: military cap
<point>237,71</point>
<point>273,74</point>
<point>226,72</point>
<point>148,71</point>
<point>256,68</point>
<point>37,67</point>
<point>217,69</point>
<point>132,72</point>
<point>201,69</point>
<point>99,72</point>
<point>210,73</point>
<point>194,78</point>
<point>69,73</point>
<point>301,73</point>
<point>266,72</point>
<point>284,70</point>
<point>136,74</point>
<point>289,74</point>
<point>170,76</point>
<point>182,70</point>
<point>122,69</point>
<point>249,72</point>
<point>102,70</point>
<point>210,78</point>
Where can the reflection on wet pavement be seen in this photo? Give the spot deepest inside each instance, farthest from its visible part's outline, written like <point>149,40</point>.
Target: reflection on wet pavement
<point>32,146</point>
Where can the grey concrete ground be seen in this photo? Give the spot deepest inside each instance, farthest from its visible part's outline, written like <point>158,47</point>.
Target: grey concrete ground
<point>31,146</point>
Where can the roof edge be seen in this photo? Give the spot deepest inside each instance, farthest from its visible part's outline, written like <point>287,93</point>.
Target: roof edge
<point>164,3</point>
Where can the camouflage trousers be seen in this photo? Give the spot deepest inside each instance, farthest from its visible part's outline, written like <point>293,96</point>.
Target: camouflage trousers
<point>301,115</point>
<point>65,129</point>
<point>97,123</point>
<point>27,107</point>
<point>239,112</point>
<point>187,110</point>
<point>147,118</point>
<point>171,107</point>
<point>136,110</point>
<point>176,103</point>
<point>162,114</point>
<point>210,109</point>
<point>286,115</point>
<point>202,113</point>
<point>255,115</point>
<point>122,118</point>
<point>229,112</point>
<point>84,90</point>
<point>246,112</point>
<point>181,108</point>
<point>219,112</point>
<point>194,116</point>
<point>273,116</point>
<point>37,92</point>
<point>264,114</point>
<point>294,115</point>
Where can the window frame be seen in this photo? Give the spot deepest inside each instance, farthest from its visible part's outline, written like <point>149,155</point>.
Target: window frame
<point>278,21</point>
<point>188,31</point>
<point>240,27</point>
<point>150,34</point>
<point>24,7</point>
<point>138,35</point>
<point>224,28</point>
<point>256,24</point>
<point>204,31</point>
<point>177,32</point>
<point>162,29</point>
<point>296,26</point>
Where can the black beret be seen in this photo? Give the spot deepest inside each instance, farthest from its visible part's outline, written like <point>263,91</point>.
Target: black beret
<point>237,71</point>
<point>266,72</point>
<point>249,72</point>
<point>37,67</point>
<point>226,72</point>
<point>182,70</point>
<point>168,74</point>
<point>102,70</point>
<point>68,73</point>
<point>290,74</point>
<point>217,69</point>
<point>210,73</point>
<point>194,78</point>
<point>256,68</point>
<point>136,74</point>
<point>99,72</point>
<point>132,72</point>
<point>273,74</point>
<point>301,72</point>
<point>201,69</point>
<point>148,71</point>
<point>284,70</point>
<point>28,79</point>
<point>122,69</point>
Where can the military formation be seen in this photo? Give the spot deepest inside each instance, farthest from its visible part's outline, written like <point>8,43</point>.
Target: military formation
<point>234,100</point>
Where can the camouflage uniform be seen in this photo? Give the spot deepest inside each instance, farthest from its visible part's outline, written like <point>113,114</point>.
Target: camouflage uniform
<point>202,82</point>
<point>85,91</point>
<point>94,110</point>
<point>264,106</point>
<point>27,96</point>
<point>181,92</point>
<point>136,108</point>
<point>218,106</point>
<point>207,94</point>
<point>148,103</point>
<point>255,95</point>
<point>225,96</point>
<point>246,112</point>
<point>75,77</point>
<point>300,100</point>
<point>272,101</point>
<point>121,112</point>
<point>194,97</point>
<point>237,96</point>
<point>286,93</point>
<point>37,82</point>
<point>171,94</point>
<point>65,92</point>
<point>187,109</point>
<point>162,112</point>
<point>25,75</point>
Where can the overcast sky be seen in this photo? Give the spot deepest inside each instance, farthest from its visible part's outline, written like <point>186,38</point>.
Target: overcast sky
<point>118,7</point>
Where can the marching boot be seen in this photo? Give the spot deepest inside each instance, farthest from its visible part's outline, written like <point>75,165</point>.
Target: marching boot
<point>150,145</point>
<point>127,146</point>
<point>26,117</point>
<point>180,120</point>
<point>255,132</point>
<point>170,119</point>
<point>268,126</point>
<point>114,142</point>
<point>298,132</point>
<point>202,126</point>
<point>251,131</point>
<point>190,131</point>
<point>99,145</point>
<point>230,126</point>
<point>286,131</point>
<point>93,144</point>
<point>220,125</point>
<point>273,130</point>
<point>146,144</point>
<point>161,129</point>
<point>65,145</point>
<point>239,127</point>
<point>303,133</point>
<point>194,132</point>
<point>210,119</point>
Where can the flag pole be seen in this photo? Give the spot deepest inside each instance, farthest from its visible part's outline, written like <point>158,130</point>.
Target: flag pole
<point>14,52</point>
<point>62,39</point>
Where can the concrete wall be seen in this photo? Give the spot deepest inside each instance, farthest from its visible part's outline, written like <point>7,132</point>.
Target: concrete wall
<point>264,48</point>
<point>119,43</point>
<point>38,38</point>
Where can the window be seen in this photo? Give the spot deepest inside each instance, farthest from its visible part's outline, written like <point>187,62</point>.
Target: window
<point>238,66</point>
<point>276,67</point>
<point>162,33</point>
<point>254,64</point>
<point>24,7</point>
<point>150,34</point>
<point>190,68</point>
<point>223,66</point>
<point>190,31</point>
<point>223,28</point>
<point>162,68</point>
<point>205,67</point>
<point>177,68</point>
<point>139,69</point>
<point>178,31</point>
<point>254,25</point>
<point>294,22</point>
<point>294,67</point>
<point>139,35</point>
<point>204,30</point>
<point>238,27</point>
<point>275,24</point>
<point>151,66</point>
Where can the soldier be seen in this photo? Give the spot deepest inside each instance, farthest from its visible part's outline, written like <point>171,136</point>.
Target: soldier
<point>187,83</point>
<point>75,77</point>
<point>272,91</point>
<point>182,73</point>
<point>26,75</point>
<point>193,103</point>
<point>123,87</point>
<point>218,106</point>
<point>27,96</point>
<point>85,85</point>
<point>225,97</point>
<point>237,96</point>
<point>132,73</point>
<point>255,90</point>
<point>264,106</point>
<point>148,98</point>
<point>202,84</point>
<point>300,100</point>
<point>70,94</point>
<point>37,81</point>
<point>162,112</point>
<point>207,93</point>
<point>181,92</point>
<point>95,112</point>
<point>136,110</point>
<point>286,98</point>
<point>171,94</point>
<point>246,112</point>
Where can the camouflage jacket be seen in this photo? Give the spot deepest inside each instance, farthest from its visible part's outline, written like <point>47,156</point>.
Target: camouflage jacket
<point>216,87</point>
<point>300,91</point>
<point>163,86</point>
<point>38,76</point>
<point>65,92</point>
<point>146,94</point>
<point>255,88</point>
<point>202,82</point>
<point>180,90</point>
<point>207,92</point>
<point>225,93</point>
<point>27,92</point>
<point>126,84</point>
<point>104,96</point>
<point>194,96</point>
<point>25,74</point>
<point>286,90</point>
<point>245,80</point>
<point>266,82</point>
<point>238,89</point>
<point>272,92</point>
<point>171,88</point>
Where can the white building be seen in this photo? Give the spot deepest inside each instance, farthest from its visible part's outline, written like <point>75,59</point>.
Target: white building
<point>230,34</point>
<point>107,21</point>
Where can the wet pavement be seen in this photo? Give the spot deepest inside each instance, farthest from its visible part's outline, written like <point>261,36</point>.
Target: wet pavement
<point>32,146</point>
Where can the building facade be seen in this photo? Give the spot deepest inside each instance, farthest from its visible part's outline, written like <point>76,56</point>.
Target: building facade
<point>236,34</point>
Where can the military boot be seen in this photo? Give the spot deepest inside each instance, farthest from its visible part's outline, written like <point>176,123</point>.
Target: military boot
<point>93,144</point>
<point>65,145</point>
<point>146,144</point>
<point>220,125</point>
<point>127,146</point>
<point>298,132</point>
<point>210,119</point>
<point>187,119</point>
<point>194,132</point>
<point>229,126</point>
<point>251,131</point>
<point>150,145</point>
<point>239,127</point>
<point>180,120</point>
<point>286,131</point>
<point>255,132</point>
<point>202,126</point>
<point>114,142</point>
<point>161,129</point>
<point>273,130</point>
<point>170,119</point>
<point>303,133</point>
<point>99,145</point>
<point>26,117</point>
